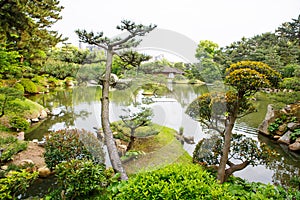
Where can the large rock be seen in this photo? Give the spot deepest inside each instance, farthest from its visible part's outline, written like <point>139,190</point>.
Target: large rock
<point>285,139</point>
<point>295,146</point>
<point>270,116</point>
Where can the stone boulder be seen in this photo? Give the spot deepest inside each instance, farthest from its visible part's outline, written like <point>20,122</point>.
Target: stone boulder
<point>293,125</point>
<point>270,116</point>
<point>43,115</point>
<point>189,139</point>
<point>285,139</point>
<point>44,172</point>
<point>295,146</point>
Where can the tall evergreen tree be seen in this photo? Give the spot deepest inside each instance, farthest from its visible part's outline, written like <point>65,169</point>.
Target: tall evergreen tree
<point>25,26</point>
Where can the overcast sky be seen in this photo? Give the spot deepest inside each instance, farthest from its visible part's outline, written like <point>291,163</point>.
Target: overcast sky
<point>221,21</point>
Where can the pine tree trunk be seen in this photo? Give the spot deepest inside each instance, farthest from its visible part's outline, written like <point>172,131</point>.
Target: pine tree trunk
<point>109,140</point>
<point>132,138</point>
<point>221,176</point>
<point>225,151</point>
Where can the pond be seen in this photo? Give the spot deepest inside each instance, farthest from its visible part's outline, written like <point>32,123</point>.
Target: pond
<point>80,107</point>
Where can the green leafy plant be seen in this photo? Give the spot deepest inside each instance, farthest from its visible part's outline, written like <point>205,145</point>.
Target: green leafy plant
<point>273,127</point>
<point>295,134</point>
<point>65,145</point>
<point>242,189</point>
<point>173,182</point>
<point>82,178</point>
<point>16,183</point>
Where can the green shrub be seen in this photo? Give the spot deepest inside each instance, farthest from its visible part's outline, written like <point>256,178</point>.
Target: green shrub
<point>11,146</point>
<point>66,145</point>
<point>243,190</point>
<point>19,87</point>
<point>41,80</point>
<point>29,86</point>
<point>19,123</point>
<point>290,83</point>
<point>16,183</point>
<point>173,182</point>
<point>81,178</point>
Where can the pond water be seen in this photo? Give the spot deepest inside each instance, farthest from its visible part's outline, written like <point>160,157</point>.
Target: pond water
<point>80,107</point>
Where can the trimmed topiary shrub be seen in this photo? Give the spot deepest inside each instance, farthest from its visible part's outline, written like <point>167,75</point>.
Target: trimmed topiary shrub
<point>175,181</point>
<point>19,123</point>
<point>29,86</point>
<point>66,145</point>
<point>19,87</point>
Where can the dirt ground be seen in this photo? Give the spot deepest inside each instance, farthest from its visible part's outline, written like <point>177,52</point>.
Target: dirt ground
<point>33,152</point>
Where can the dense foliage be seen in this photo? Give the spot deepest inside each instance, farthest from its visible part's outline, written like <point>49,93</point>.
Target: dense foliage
<point>81,179</point>
<point>15,183</point>
<point>65,145</point>
<point>173,182</point>
<point>25,28</point>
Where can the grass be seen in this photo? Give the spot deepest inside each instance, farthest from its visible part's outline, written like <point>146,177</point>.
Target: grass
<point>161,150</point>
<point>34,109</point>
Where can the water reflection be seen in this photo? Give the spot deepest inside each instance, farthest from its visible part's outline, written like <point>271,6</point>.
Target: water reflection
<point>80,107</point>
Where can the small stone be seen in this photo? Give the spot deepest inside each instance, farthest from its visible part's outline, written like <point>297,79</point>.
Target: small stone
<point>280,133</point>
<point>26,162</point>
<point>44,172</point>
<point>276,137</point>
<point>189,139</point>
<point>282,128</point>
<point>4,167</point>
<point>34,120</point>
<point>295,146</point>
<point>35,141</point>
<point>292,126</point>
<point>42,143</point>
<point>285,139</point>
<point>21,136</point>
<point>43,114</point>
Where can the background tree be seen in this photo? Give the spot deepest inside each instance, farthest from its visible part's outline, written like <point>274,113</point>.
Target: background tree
<point>128,60</point>
<point>207,69</point>
<point>10,67</point>
<point>25,27</point>
<point>244,78</point>
<point>134,120</point>
<point>111,46</point>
